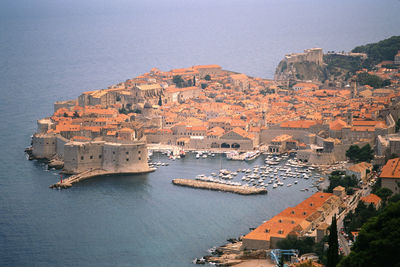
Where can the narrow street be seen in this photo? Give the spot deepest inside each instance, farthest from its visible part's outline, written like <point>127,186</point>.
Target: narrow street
<point>352,204</point>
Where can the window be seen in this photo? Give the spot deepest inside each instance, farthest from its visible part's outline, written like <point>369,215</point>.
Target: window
<point>91,157</point>
<point>127,152</point>
<point>267,230</point>
<point>113,152</point>
<point>280,220</point>
<point>99,156</point>
<point>292,212</point>
<point>138,152</point>
<point>82,157</point>
<point>140,158</point>
<point>127,159</point>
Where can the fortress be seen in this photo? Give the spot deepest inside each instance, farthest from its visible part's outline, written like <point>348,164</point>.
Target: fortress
<point>311,55</point>
<point>78,156</point>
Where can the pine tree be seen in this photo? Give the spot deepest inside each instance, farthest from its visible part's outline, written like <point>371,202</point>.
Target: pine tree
<point>160,101</point>
<point>281,263</point>
<point>333,250</point>
<point>194,80</point>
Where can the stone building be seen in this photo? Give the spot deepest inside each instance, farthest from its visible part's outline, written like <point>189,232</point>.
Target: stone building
<point>397,58</point>
<point>359,170</point>
<point>293,221</point>
<point>311,55</point>
<point>390,175</point>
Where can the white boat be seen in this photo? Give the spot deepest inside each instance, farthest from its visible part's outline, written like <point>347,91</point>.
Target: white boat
<point>289,185</point>
<point>295,182</point>
<point>274,186</point>
<point>197,156</point>
<point>204,156</point>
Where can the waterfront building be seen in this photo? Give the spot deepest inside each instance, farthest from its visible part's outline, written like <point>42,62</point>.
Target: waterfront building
<point>293,221</point>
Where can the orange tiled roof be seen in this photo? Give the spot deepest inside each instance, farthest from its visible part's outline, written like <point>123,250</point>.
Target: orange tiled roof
<point>371,198</point>
<point>391,169</point>
<point>298,124</point>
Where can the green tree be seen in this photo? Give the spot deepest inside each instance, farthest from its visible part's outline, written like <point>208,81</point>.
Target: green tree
<point>384,193</point>
<point>354,220</point>
<point>378,240</point>
<point>178,81</point>
<point>207,77</point>
<point>203,86</point>
<point>305,245</point>
<point>160,101</point>
<point>76,115</point>
<point>357,154</point>
<point>380,51</point>
<point>65,114</point>
<point>333,250</point>
<point>368,79</point>
<point>397,125</point>
<point>337,178</point>
<point>366,153</point>
<point>395,198</point>
<point>352,152</point>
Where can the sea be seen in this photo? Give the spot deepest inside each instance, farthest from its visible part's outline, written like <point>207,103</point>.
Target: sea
<point>53,50</point>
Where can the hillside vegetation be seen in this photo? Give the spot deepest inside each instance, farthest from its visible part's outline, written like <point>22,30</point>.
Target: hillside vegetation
<point>380,51</point>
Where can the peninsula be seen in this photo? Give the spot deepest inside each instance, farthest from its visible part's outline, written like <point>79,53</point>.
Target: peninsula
<point>208,108</point>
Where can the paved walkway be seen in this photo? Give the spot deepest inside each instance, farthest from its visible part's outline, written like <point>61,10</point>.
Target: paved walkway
<point>256,263</point>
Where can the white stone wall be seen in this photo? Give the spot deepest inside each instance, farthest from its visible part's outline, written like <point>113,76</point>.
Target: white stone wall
<point>43,146</point>
<point>60,142</point>
<point>79,157</point>
<point>124,158</point>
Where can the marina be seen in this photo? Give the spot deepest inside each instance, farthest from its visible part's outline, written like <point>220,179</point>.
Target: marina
<point>277,171</point>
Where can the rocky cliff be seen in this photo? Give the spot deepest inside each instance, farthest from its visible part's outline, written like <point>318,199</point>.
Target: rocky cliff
<point>302,70</point>
<point>319,67</point>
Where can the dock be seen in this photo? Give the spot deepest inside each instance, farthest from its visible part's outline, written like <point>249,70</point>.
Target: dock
<point>237,189</point>
<point>67,183</point>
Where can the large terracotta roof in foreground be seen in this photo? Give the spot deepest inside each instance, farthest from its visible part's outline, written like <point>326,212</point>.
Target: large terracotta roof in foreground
<point>292,219</point>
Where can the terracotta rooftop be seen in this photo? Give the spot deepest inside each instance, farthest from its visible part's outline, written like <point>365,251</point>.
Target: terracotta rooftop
<point>371,198</point>
<point>391,169</point>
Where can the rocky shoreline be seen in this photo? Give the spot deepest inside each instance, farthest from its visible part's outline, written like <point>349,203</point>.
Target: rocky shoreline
<point>230,254</point>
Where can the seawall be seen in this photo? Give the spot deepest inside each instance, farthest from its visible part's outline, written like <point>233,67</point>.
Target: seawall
<point>237,189</point>
<point>67,183</point>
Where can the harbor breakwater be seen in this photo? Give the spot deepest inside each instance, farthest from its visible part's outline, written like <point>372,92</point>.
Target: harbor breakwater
<point>237,189</point>
<point>67,183</point>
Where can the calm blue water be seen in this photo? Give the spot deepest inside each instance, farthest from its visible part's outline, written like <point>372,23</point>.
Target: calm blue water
<point>53,50</point>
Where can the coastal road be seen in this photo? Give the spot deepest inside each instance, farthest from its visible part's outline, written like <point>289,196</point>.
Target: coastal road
<point>352,204</point>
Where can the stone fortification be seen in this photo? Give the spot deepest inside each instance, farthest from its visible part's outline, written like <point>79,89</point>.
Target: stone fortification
<point>311,55</point>
<point>127,157</point>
